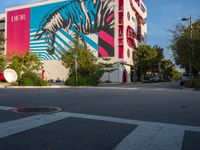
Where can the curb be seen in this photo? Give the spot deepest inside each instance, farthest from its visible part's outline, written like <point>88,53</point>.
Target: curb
<point>62,87</point>
<point>87,87</point>
<point>190,89</point>
<point>31,87</point>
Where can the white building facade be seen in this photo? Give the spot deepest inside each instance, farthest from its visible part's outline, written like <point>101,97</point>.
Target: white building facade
<point>112,29</point>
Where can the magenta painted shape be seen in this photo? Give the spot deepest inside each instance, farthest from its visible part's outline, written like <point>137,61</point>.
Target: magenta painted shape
<point>102,51</point>
<point>120,52</point>
<point>110,17</point>
<point>124,77</point>
<point>2,78</point>
<point>18,31</point>
<point>106,37</point>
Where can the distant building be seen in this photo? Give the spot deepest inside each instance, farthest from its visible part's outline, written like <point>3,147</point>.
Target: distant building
<point>2,29</point>
<point>111,28</point>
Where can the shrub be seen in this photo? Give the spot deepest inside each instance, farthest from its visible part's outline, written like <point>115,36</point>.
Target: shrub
<point>14,83</point>
<point>197,84</point>
<point>71,81</point>
<point>86,76</point>
<point>91,78</point>
<point>2,63</point>
<point>24,64</point>
<point>193,83</point>
<point>31,79</point>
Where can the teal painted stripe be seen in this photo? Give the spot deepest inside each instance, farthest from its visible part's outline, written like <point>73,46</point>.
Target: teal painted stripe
<point>87,39</point>
<point>90,42</point>
<point>59,46</point>
<point>40,55</point>
<point>45,55</point>
<point>64,43</point>
<point>42,47</point>
<point>38,43</point>
<point>32,30</point>
<point>57,50</point>
<point>66,34</point>
<point>46,47</point>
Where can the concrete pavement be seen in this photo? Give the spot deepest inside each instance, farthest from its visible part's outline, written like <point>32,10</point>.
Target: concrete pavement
<point>145,135</point>
<point>102,118</point>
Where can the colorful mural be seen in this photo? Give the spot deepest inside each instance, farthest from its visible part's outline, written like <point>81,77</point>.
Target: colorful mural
<point>51,28</point>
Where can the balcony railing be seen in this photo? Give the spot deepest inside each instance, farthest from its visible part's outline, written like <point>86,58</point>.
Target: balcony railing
<point>143,8</point>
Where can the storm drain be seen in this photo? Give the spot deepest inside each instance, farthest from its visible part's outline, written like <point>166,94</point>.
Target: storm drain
<point>37,110</point>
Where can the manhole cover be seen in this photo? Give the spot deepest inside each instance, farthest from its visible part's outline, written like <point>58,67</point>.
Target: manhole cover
<point>37,110</point>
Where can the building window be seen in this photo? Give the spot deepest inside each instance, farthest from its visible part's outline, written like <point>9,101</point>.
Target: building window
<point>128,16</point>
<point>133,19</point>
<point>128,53</point>
<point>130,35</point>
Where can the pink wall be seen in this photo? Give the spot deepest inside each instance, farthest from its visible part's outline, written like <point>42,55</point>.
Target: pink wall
<point>18,31</point>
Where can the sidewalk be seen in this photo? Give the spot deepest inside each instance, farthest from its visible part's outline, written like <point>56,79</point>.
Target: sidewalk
<point>137,85</point>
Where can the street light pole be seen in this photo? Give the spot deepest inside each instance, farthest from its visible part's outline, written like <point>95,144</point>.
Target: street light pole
<point>190,51</point>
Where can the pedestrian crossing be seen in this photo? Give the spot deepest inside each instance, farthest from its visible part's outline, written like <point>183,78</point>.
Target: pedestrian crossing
<point>146,136</point>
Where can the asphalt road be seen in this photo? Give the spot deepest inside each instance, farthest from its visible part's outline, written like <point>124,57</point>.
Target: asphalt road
<point>150,118</point>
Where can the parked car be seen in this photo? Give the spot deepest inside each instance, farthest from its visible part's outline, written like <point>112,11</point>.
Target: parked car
<point>184,78</point>
<point>156,78</point>
<point>150,79</point>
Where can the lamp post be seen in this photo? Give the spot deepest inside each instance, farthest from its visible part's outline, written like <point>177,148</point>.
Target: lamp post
<point>190,51</point>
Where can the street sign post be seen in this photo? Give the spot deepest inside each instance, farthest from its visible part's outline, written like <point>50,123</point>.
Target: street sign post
<point>76,67</point>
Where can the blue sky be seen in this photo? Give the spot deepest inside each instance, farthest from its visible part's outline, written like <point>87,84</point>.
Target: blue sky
<point>162,16</point>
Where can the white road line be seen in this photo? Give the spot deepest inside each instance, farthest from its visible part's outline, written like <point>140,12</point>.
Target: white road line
<point>153,138</point>
<point>17,126</point>
<point>109,88</point>
<point>133,122</point>
<point>168,139</point>
<point>139,139</point>
<point>6,108</point>
<point>147,136</point>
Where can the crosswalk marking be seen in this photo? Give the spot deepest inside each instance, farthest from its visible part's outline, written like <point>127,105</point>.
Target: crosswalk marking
<point>139,139</point>
<point>6,108</point>
<point>133,122</point>
<point>17,126</point>
<point>168,138</point>
<point>152,138</point>
<point>146,136</point>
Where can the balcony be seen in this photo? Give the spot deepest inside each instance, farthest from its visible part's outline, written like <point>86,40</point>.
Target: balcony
<point>139,7</point>
<point>143,8</point>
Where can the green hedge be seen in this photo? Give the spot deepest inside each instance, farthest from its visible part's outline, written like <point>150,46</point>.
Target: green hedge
<point>82,80</point>
<point>193,83</point>
<point>91,79</point>
<point>31,79</point>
